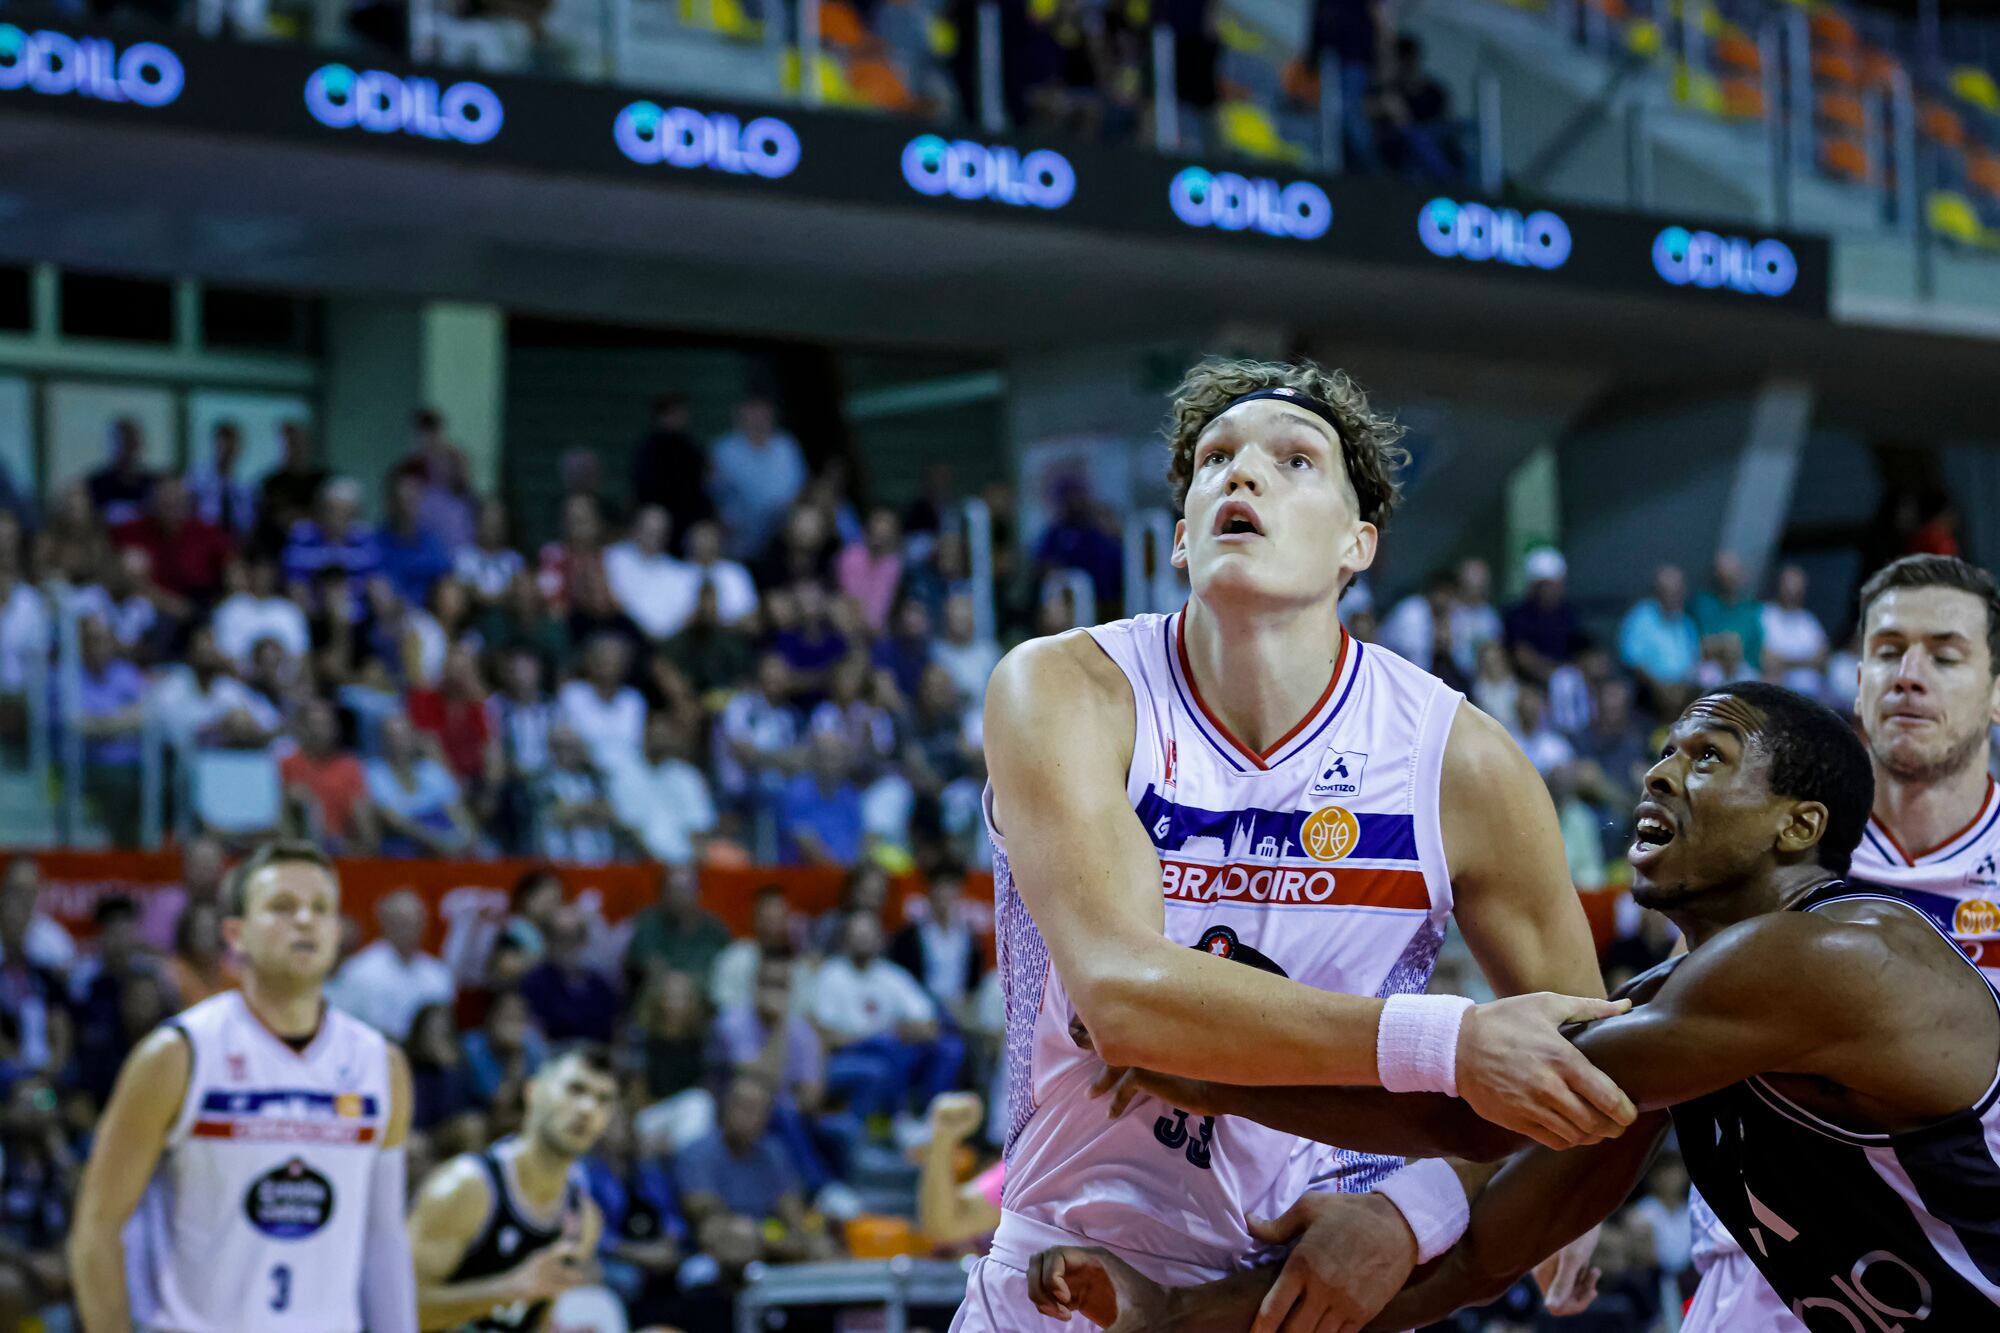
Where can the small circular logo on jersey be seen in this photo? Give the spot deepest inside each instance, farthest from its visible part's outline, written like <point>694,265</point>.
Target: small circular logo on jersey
<point>1976,916</point>
<point>1329,833</point>
<point>289,1203</point>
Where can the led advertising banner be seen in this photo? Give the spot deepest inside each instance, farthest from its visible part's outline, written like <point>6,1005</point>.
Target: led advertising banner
<point>654,141</point>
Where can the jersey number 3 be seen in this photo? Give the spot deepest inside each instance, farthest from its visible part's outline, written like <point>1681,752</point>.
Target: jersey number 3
<point>281,1286</point>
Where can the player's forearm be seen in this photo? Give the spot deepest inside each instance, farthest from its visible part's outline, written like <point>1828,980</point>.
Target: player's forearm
<point>446,1305</point>
<point>1227,1305</point>
<point>97,1276</point>
<point>1417,1124</point>
<point>1150,998</point>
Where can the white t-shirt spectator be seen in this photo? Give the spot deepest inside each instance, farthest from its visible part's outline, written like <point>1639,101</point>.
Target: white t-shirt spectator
<point>749,719</point>
<point>242,620</point>
<point>1410,631</point>
<point>614,732</point>
<point>657,591</point>
<point>1472,626</point>
<point>379,988</point>
<point>969,665</point>
<point>855,1004</point>
<point>128,620</point>
<point>488,573</point>
<point>665,806</point>
<point>25,632</point>
<point>1794,636</point>
<point>1546,749</point>
<point>184,709</point>
<point>48,945</point>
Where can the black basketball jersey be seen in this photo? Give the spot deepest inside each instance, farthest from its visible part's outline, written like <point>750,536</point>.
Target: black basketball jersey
<point>1856,1232</point>
<point>509,1237</point>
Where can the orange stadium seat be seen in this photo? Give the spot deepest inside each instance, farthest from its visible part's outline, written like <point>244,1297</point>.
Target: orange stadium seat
<point>841,25</point>
<point>1843,109</point>
<point>876,82</point>
<point>1830,28</point>
<point>1943,124</point>
<point>1844,157</point>
<point>1877,66</point>
<point>1835,67</point>
<point>1742,99</point>
<point>1736,51</point>
<point>1982,168</point>
<point>1300,82</point>
<point>1615,10</point>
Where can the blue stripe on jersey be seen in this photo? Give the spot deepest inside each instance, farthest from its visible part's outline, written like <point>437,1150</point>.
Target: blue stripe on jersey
<point>1353,675</point>
<point>1383,837</point>
<point>1955,1175</point>
<point>1886,852</point>
<point>1969,843</point>
<point>1200,723</point>
<point>252,1101</point>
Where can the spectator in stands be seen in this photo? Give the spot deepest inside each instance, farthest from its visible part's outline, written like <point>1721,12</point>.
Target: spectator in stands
<point>663,802</point>
<point>46,943</point>
<point>734,980</point>
<point>289,491</point>
<point>419,803</point>
<point>940,949</point>
<point>71,549</point>
<point>881,1028</point>
<point>938,751</point>
<point>649,585</point>
<point>669,1036</point>
<point>326,783</point>
<point>27,634</point>
<point>645,1237</point>
<point>573,816</point>
<point>533,904</point>
<point>1473,619</point>
<point>39,1173</point>
<point>866,890</point>
<point>850,712</point>
<point>1412,121</point>
<point>772,1040</point>
<point>676,934</point>
<point>570,1000</point>
<point>335,539</point>
<point>1542,630</point>
<point>757,736</point>
<point>740,1176</point>
<point>819,815</point>
<point>34,1013</point>
<point>200,965</point>
<point>526,620</point>
<point>735,591</point>
<point>444,1098</point>
<point>968,659</point>
<point>101,987</point>
<point>709,655</point>
<point>1728,609</point>
<point>670,469</point>
<point>568,567</point>
<point>185,553</point>
<point>1496,688</point>
<point>119,489</point>
<point>203,703</point>
<point>220,494</point>
<point>108,712</point>
<point>871,570</point>
<point>444,506</point>
<point>522,716</point>
<point>606,714</point>
<point>1351,32</point>
<point>254,610</point>
<point>488,565</point>
<point>812,645</point>
<point>1079,539</point>
<point>1412,628</point>
<point>803,553</point>
<point>1658,642</point>
<point>455,714</point>
<point>1614,745</point>
<point>1795,643</point>
<point>755,473</point>
<point>907,653</point>
<point>413,556</point>
<point>1547,749</point>
<point>506,1050</point>
<point>386,983</point>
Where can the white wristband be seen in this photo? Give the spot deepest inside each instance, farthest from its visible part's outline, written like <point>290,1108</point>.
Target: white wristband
<point>1432,1200</point>
<point>1416,1043</point>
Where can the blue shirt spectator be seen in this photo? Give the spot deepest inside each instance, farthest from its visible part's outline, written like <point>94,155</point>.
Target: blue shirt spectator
<point>506,1048</point>
<point>741,1164</point>
<point>336,540</point>
<point>1542,630</point>
<point>412,555</point>
<point>1079,540</point>
<point>416,797</point>
<point>755,473</point>
<point>820,812</point>
<point>109,693</point>
<point>570,1001</point>
<point>1658,638</point>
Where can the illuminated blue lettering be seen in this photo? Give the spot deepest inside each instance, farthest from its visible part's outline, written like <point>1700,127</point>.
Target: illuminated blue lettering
<point>967,170</point>
<point>1481,234</point>
<point>379,102</point>
<point>1229,202</point>
<point>683,137</point>
<point>56,64</point>
<point>1703,259</point>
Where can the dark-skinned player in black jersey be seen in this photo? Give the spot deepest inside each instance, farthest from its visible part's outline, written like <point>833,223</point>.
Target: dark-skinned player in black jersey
<point>1828,1057</point>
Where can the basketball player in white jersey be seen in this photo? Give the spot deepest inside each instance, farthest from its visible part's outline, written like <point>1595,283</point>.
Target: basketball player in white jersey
<point>1929,699</point>
<point>499,1234</point>
<point>248,1170</point>
<point>1193,814</point>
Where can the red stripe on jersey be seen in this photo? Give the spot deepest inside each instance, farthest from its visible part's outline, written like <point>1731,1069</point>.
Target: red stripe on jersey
<point>263,1129</point>
<point>1294,885</point>
<point>1262,760</point>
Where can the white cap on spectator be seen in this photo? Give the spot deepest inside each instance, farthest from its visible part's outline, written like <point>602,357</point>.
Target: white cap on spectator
<point>1546,564</point>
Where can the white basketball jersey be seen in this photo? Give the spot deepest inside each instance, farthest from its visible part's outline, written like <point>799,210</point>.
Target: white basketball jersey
<point>1956,884</point>
<point>254,1217</point>
<point>1321,859</point>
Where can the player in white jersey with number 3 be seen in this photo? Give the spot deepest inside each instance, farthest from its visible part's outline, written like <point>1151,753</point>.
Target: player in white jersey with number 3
<point>248,1170</point>
<point>1226,845</point>
<point>1929,698</point>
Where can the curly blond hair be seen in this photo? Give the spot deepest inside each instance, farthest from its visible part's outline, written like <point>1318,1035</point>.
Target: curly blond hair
<point>1368,439</point>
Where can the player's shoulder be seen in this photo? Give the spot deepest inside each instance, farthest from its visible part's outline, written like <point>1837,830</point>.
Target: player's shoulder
<point>462,1185</point>
<point>1482,757</point>
<point>1851,958</point>
<point>1067,668</point>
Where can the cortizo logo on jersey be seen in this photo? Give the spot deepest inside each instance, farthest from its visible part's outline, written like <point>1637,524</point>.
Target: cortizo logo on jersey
<point>1329,833</point>
<point>289,1203</point>
<point>1339,774</point>
<point>1976,916</point>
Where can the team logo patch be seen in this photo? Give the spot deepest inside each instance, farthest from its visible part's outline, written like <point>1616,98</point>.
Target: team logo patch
<point>1222,942</point>
<point>347,1105</point>
<point>1339,774</point>
<point>1976,916</point>
<point>289,1203</point>
<point>1329,833</point>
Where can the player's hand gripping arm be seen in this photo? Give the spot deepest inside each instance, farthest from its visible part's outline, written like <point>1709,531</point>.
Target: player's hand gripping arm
<point>451,1208</point>
<point>130,1138</point>
<point>388,1280</point>
<point>1059,726</point>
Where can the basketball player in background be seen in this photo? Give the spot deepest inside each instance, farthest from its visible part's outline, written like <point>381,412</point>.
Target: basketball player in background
<point>1929,699</point>
<point>258,1138</point>
<point>500,1233</point>
<point>1245,783</point>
